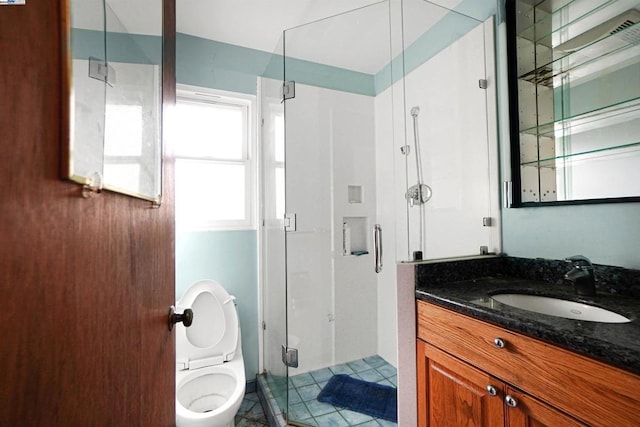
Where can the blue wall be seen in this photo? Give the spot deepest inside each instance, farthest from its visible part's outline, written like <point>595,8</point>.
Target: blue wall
<point>608,234</point>
<point>230,258</point>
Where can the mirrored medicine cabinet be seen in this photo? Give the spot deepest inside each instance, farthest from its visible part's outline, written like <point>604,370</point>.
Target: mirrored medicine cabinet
<point>114,63</point>
<point>574,98</point>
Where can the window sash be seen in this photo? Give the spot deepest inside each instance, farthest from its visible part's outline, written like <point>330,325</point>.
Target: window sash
<point>205,196</point>
<point>188,151</point>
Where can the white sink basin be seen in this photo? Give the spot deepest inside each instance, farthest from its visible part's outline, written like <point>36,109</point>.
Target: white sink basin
<point>560,308</point>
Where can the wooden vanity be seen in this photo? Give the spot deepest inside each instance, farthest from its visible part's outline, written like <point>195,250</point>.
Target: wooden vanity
<point>473,373</point>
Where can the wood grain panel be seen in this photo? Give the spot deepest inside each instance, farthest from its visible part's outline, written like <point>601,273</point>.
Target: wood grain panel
<point>86,283</point>
<point>454,393</point>
<point>589,390</point>
<point>530,412</point>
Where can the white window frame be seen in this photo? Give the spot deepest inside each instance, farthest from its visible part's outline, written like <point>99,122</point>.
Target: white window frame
<point>248,102</point>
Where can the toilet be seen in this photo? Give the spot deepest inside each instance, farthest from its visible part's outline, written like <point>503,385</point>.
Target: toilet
<point>210,378</point>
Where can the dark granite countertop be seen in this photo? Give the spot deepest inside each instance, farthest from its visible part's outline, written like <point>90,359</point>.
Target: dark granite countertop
<point>617,344</point>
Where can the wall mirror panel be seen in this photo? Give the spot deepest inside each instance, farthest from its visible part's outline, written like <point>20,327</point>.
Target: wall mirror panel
<point>114,60</point>
<point>574,71</point>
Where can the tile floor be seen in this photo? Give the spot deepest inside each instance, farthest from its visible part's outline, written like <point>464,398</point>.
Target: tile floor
<point>304,389</point>
<point>251,413</point>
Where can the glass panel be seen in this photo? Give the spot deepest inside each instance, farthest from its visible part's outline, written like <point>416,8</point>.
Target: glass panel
<point>116,97</point>
<point>132,129</point>
<point>88,94</point>
<point>454,159</point>
<point>334,313</point>
<point>273,267</point>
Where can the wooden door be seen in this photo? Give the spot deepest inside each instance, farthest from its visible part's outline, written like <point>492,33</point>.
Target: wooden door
<point>530,412</point>
<point>452,393</point>
<point>85,283</point>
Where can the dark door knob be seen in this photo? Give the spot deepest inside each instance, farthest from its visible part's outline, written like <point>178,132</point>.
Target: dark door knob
<point>186,318</point>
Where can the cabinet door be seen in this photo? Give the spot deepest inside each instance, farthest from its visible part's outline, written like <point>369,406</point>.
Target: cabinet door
<point>530,412</point>
<point>452,393</point>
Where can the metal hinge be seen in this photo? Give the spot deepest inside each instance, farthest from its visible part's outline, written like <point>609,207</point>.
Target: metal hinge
<point>101,70</point>
<point>487,221</point>
<point>288,90</point>
<point>290,356</point>
<point>483,83</point>
<point>290,222</point>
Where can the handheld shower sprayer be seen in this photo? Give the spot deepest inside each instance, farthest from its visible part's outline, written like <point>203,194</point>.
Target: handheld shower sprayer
<point>419,193</point>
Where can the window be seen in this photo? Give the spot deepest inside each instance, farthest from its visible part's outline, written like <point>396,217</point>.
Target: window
<point>215,168</point>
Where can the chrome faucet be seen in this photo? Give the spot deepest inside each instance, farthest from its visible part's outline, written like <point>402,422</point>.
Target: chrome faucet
<point>581,275</point>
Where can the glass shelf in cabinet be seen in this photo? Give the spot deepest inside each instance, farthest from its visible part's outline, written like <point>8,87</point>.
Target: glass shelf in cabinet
<point>578,9</point>
<point>604,116</point>
<point>551,162</point>
<point>608,49</point>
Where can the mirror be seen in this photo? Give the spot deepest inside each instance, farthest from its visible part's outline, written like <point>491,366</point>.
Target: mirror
<point>574,83</point>
<point>114,59</point>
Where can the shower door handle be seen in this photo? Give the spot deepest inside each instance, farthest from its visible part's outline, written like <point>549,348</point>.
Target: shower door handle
<point>377,247</point>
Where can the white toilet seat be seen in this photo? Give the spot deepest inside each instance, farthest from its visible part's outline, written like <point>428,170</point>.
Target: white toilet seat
<point>212,338</point>
<point>210,378</point>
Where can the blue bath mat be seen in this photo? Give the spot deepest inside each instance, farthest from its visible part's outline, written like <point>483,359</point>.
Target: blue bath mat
<point>373,399</point>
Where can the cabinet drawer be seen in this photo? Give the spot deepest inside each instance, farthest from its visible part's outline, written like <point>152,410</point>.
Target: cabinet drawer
<point>589,390</point>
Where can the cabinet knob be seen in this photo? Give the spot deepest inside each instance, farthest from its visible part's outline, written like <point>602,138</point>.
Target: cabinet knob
<point>511,401</point>
<point>492,390</point>
<point>499,343</point>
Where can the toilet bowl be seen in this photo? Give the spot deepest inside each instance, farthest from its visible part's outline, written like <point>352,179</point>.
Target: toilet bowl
<point>210,378</point>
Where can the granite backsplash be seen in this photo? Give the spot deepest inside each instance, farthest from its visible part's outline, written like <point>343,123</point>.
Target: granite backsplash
<point>609,279</point>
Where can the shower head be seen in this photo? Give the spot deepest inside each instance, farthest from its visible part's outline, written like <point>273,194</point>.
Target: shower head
<point>415,111</point>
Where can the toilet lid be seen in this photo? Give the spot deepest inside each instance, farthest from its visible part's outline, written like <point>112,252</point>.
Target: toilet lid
<point>213,336</point>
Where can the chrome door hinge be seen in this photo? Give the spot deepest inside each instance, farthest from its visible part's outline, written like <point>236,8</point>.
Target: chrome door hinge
<point>101,70</point>
<point>288,90</point>
<point>483,83</point>
<point>290,222</point>
<point>290,356</point>
<point>487,221</point>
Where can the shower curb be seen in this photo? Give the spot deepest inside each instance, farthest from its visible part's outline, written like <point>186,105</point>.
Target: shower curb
<point>269,403</point>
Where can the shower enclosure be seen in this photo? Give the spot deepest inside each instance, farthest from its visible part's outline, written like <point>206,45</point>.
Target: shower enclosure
<point>338,159</point>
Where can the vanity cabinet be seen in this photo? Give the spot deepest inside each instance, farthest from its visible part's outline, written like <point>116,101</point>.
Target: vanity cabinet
<point>454,393</point>
<point>474,373</point>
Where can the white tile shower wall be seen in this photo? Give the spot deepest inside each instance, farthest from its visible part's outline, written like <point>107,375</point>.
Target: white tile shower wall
<point>453,128</point>
<point>331,298</point>
<point>353,162</point>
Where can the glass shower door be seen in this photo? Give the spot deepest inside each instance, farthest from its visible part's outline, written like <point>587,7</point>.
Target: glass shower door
<point>330,69</point>
<point>450,103</point>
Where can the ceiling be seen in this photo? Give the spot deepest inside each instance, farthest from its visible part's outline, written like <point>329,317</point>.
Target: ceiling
<point>352,34</point>
<point>358,40</point>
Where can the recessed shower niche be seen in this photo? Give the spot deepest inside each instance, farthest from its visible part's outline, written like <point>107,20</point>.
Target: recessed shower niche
<point>354,236</point>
